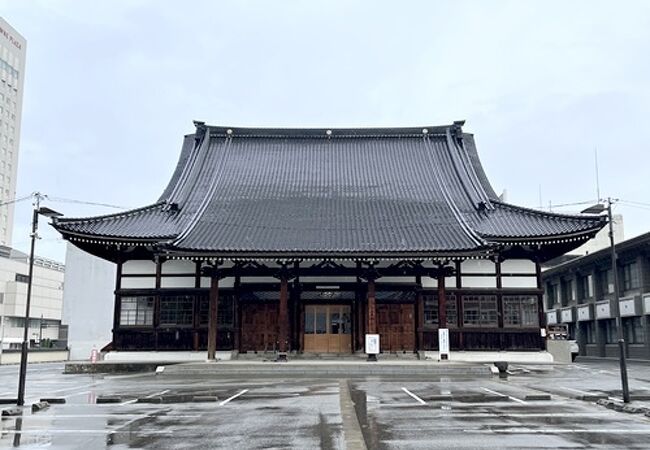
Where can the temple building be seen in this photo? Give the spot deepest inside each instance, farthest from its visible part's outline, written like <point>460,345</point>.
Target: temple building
<point>306,240</point>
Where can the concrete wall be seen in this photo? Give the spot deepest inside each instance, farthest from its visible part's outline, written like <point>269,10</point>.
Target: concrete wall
<point>87,302</point>
<point>13,357</point>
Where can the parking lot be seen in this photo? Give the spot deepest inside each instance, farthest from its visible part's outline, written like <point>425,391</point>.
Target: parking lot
<point>536,407</point>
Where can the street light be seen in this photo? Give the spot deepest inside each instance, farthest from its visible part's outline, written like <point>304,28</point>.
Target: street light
<point>597,209</point>
<point>47,212</point>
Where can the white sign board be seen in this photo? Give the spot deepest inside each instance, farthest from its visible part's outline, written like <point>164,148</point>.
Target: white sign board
<point>372,344</point>
<point>443,342</point>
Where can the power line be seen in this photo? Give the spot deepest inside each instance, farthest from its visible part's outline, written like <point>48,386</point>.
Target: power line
<point>82,202</point>
<point>636,203</point>
<point>16,200</point>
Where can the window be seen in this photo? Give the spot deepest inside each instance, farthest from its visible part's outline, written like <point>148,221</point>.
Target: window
<point>568,292</point>
<point>551,295</point>
<point>480,310</point>
<point>611,336</point>
<point>431,310</point>
<point>633,329</point>
<point>225,310</point>
<point>590,332</point>
<point>585,287</point>
<point>136,311</point>
<point>177,310</point>
<point>606,282</point>
<point>520,311</point>
<point>20,278</point>
<point>631,276</point>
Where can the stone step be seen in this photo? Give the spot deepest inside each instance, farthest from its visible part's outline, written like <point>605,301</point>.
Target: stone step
<point>324,368</point>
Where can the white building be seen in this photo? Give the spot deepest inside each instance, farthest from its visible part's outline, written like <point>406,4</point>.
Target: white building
<point>12,75</point>
<point>87,302</point>
<point>46,304</point>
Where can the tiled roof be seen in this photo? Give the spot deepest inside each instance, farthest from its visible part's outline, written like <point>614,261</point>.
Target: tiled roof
<point>317,191</point>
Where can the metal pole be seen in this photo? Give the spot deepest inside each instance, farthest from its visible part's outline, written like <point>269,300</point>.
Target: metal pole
<point>619,321</point>
<point>23,353</point>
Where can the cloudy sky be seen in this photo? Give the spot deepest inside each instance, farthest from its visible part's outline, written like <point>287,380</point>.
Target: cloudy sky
<point>111,87</point>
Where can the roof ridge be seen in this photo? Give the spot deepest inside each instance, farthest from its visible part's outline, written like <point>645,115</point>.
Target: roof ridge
<point>538,212</point>
<point>63,220</point>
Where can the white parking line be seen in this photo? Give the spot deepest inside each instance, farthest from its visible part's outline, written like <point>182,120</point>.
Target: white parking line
<point>576,390</point>
<point>422,402</point>
<point>514,399</point>
<point>128,402</point>
<point>242,392</point>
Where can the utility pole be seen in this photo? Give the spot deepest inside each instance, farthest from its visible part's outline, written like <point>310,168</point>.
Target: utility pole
<point>619,320</point>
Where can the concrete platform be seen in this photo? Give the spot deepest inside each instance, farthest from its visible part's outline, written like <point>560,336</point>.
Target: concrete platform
<point>75,367</point>
<point>324,369</point>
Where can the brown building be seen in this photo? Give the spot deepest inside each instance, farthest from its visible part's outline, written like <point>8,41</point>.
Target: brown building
<point>283,240</point>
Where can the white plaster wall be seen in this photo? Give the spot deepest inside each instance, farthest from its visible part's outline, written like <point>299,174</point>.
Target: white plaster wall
<point>478,266</point>
<point>178,266</point>
<point>479,282</point>
<point>177,282</point>
<point>138,282</point>
<point>518,266</point>
<point>139,267</point>
<point>223,283</point>
<point>88,301</point>
<point>519,282</point>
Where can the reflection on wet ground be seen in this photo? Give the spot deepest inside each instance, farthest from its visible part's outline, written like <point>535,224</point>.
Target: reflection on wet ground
<point>165,412</point>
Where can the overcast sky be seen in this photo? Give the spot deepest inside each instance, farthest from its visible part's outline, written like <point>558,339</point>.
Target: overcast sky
<point>111,87</point>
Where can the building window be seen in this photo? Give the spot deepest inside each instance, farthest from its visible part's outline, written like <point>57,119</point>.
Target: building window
<point>585,287</point>
<point>606,282</point>
<point>520,311</point>
<point>551,295</point>
<point>20,278</point>
<point>431,310</point>
<point>611,336</point>
<point>480,311</point>
<point>633,329</point>
<point>631,276</point>
<point>225,310</point>
<point>177,310</point>
<point>590,332</point>
<point>136,311</point>
<point>568,292</point>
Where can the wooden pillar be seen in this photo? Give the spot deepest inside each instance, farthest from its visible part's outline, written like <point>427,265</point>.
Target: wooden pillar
<point>372,308</point>
<point>156,306</point>
<point>541,317</point>
<point>419,314</point>
<point>212,317</point>
<point>502,335</point>
<point>283,320</point>
<point>117,307</point>
<point>442,301</point>
<point>236,314</point>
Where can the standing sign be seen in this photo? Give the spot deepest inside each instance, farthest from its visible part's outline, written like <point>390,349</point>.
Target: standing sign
<point>93,355</point>
<point>372,344</point>
<point>443,343</point>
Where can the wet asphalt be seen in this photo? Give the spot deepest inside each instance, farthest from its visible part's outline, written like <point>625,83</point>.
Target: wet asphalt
<point>536,407</point>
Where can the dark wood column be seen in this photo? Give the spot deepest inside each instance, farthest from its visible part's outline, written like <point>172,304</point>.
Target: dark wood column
<point>541,316</point>
<point>156,305</point>
<point>283,319</point>
<point>419,314</point>
<point>372,308</point>
<point>212,317</point>
<point>117,306</point>
<point>442,301</point>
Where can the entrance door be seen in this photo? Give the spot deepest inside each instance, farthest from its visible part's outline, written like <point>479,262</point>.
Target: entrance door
<point>259,328</point>
<point>327,329</point>
<point>396,327</point>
